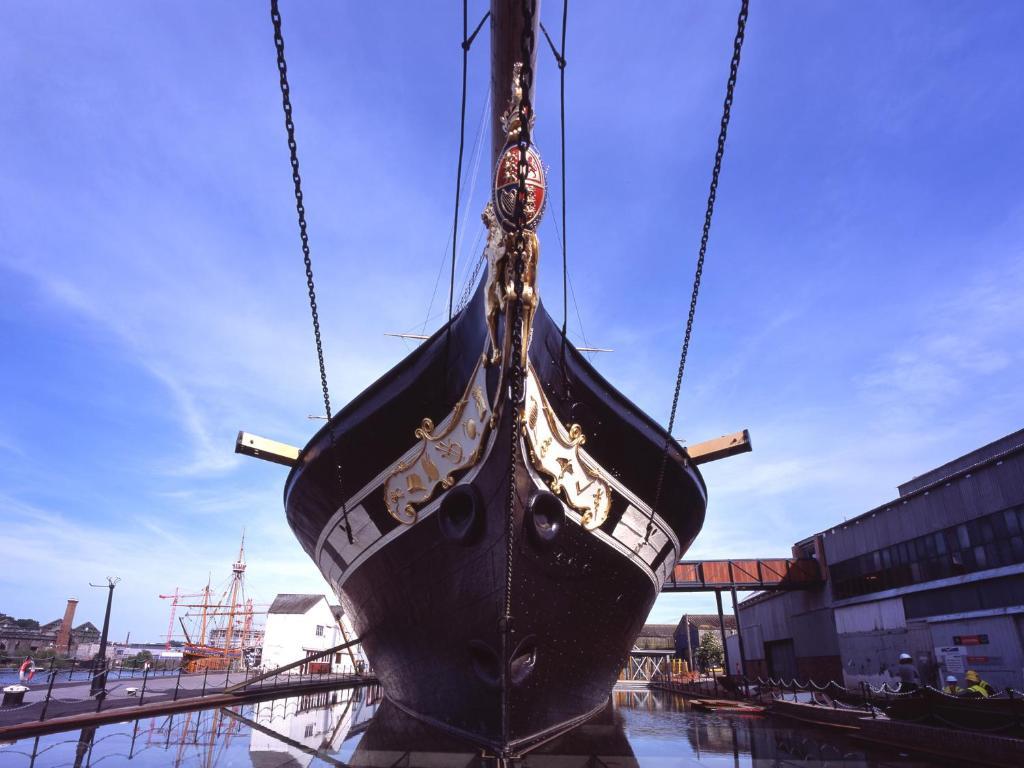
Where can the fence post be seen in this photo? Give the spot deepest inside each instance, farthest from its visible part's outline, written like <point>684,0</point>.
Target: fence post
<point>49,689</point>
<point>101,694</point>
<point>145,677</point>
<point>177,684</point>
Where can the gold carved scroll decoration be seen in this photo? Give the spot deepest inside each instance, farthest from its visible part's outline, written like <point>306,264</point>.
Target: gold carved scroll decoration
<point>453,446</point>
<point>555,451</point>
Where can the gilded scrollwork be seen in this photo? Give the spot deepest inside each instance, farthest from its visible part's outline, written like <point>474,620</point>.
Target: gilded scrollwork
<point>444,450</point>
<point>555,451</point>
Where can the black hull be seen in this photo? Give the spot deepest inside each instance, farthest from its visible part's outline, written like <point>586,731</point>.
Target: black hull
<point>429,602</point>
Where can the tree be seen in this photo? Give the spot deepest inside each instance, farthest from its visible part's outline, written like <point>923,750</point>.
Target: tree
<point>709,652</point>
<point>138,660</point>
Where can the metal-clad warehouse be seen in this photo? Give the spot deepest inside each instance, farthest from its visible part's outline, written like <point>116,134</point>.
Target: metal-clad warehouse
<point>938,572</point>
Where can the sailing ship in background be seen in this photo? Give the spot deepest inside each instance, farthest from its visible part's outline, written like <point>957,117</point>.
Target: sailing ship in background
<point>495,516</point>
<point>218,625</point>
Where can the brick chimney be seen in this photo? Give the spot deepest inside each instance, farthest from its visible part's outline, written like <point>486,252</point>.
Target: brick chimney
<point>64,635</point>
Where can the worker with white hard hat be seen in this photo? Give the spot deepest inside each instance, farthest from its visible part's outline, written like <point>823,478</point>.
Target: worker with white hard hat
<point>907,673</point>
<point>951,686</point>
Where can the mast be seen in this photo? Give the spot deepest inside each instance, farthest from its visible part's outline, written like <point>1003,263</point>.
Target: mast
<point>506,36</point>
<point>206,603</point>
<point>237,571</point>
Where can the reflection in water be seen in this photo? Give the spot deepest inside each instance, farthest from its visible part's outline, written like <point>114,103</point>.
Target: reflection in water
<point>357,728</point>
<point>291,732</point>
<point>395,739</point>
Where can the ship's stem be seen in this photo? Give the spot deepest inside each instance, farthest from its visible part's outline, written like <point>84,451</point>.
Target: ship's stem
<point>506,41</point>
<point>506,50</point>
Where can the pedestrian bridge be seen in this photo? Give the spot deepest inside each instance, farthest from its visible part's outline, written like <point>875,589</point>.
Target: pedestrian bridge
<point>745,575</point>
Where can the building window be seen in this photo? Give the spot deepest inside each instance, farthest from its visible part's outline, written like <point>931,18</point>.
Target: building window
<point>319,631</point>
<point>309,731</point>
<point>991,541</point>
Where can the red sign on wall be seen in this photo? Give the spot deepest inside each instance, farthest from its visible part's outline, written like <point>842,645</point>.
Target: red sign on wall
<point>977,659</point>
<point>970,639</point>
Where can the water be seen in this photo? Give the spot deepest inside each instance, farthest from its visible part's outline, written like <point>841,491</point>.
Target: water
<point>356,728</point>
<point>82,672</point>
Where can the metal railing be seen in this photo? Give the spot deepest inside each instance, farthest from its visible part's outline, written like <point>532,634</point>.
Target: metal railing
<point>67,684</point>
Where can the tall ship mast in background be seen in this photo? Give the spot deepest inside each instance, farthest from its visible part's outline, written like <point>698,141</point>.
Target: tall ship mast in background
<point>217,626</point>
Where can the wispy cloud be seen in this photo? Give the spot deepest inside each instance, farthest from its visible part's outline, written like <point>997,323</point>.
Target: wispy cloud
<point>860,310</point>
<point>961,339</point>
<point>63,555</point>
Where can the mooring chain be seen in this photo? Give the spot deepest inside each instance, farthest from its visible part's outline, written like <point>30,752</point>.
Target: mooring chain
<point>300,209</point>
<point>517,371</point>
<point>734,66</point>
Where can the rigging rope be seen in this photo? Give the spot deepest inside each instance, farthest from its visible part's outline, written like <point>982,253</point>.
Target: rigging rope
<point>300,209</point>
<point>444,253</point>
<point>737,46</point>
<point>560,60</point>
<point>467,42</point>
<point>462,145</point>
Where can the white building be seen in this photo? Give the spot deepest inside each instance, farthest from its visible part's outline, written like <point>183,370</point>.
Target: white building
<point>299,626</point>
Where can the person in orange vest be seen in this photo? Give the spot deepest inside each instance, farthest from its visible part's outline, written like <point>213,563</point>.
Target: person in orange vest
<point>951,687</point>
<point>978,688</point>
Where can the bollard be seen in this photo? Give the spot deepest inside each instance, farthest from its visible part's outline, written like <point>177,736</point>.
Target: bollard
<point>142,693</point>
<point>49,690</point>
<point>177,685</point>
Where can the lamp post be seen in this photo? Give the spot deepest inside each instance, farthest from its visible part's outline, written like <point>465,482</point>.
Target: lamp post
<point>99,667</point>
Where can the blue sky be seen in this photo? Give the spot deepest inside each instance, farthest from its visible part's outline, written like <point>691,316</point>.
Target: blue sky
<point>861,303</point>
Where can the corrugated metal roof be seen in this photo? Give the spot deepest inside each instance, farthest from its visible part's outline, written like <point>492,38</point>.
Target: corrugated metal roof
<point>658,630</point>
<point>708,620</point>
<point>294,603</point>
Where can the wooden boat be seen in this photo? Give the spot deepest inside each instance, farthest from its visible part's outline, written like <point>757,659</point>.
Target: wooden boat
<point>1001,714</point>
<point>727,706</point>
<point>493,535</point>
